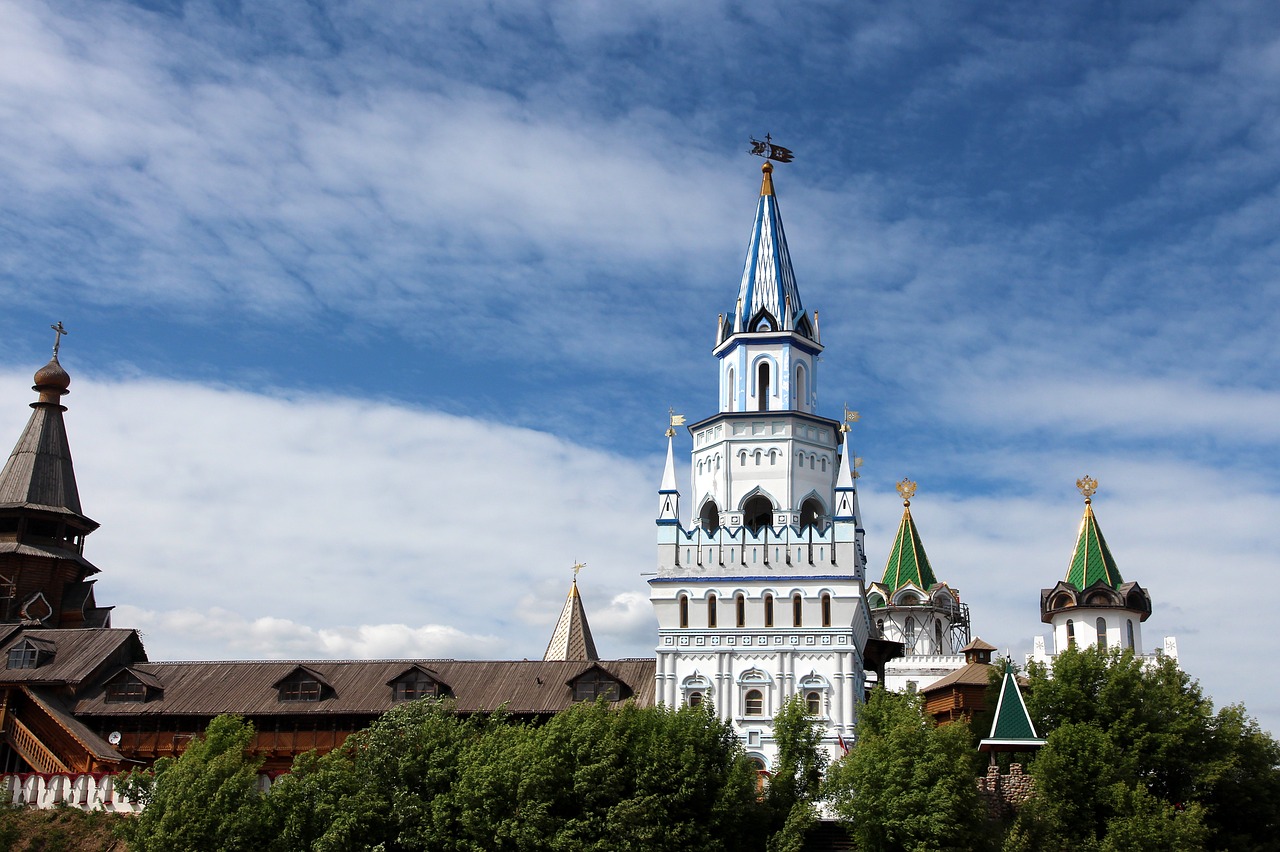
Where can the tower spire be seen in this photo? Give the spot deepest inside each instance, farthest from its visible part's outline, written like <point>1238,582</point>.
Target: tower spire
<point>908,562</point>
<point>571,640</point>
<point>1091,560</point>
<point>768,290</point>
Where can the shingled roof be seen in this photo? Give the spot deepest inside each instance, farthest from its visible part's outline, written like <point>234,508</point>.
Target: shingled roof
<point>571,640</point>
<point>1092,560</point>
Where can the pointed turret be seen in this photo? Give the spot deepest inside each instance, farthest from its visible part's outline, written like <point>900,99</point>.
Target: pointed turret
<point>1092,560</point>
<point>668,493</point>
<point>908,562</point>
<point>43,572</point>
<point>571,640</point>
<point>768,299</point>
<point>1093,605</point>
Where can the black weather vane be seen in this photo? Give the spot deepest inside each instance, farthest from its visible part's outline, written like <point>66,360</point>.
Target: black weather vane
<point>770,151</point>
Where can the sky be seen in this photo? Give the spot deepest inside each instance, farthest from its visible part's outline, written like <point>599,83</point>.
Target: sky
<point>377,309</point>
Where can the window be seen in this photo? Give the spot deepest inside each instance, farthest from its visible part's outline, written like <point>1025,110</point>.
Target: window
<point>684,610</point>
<point>595,684</point>
<point>880,627</point>
<point>797,610</point>
<point>740,604</point>
<point>731,391</point>
<point>810,510</point>
<point>937,637</point>
<point>768,610</point>
<point>711,610</point>
<point>1131,634</point>
<point>754,703</point>
<point>1071,633</point>
<point>695,699</point>
<point>300,688</point>
<point>413,686</point>
<point>126,689</point>
<point>23,657</point>
<point>813,703</point>
<point>1102,633</point>
<point>757,512</point>
<point>910,631</point>
<point>802,389</point>
<point>762,387</point>
<point>710,516</point>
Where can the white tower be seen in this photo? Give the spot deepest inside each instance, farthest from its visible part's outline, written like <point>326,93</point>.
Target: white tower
<point>760,597</point>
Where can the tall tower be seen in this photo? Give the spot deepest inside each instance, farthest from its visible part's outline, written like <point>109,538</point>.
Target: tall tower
<point>1093,605</point>
<point>44,577</point>
<point>760,596</point>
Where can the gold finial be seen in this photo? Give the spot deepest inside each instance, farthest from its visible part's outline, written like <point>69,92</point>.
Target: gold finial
<point>907,490</point>
<point>675,420</point>
<point>1088,487</point>
<point>766,183</point>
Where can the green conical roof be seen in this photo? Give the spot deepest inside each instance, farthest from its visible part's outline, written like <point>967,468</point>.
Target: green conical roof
<point>908,562</point>
<point>1092,560</point>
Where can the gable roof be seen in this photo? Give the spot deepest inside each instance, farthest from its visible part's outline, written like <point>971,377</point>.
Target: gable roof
<point>1092,560</point>
<point>1011,729</point>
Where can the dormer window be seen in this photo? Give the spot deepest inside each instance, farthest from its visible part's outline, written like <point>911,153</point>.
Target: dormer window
<point>130,686</point>
<point>596,683</point>
<point>303,684</point>
<point>30,654</point>
<point>415,683</point>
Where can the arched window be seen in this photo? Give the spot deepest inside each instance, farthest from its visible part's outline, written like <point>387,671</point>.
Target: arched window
<point>754,703</point>
<point>797,610</point>
<point>731,391</point>
<point>810,513</point>
<point>762,387</point>
<point>910,631</point>
<point>709,517</point>
<point>802,388</point>
<point>757,513</point>
<point>826,610</point>
<point>813,703</point>
<point>740,604</point>
<point>768,610</point>
<point>1102,633</point>
<point>1131,634</point>
<point>937,637</point>
<point>695,698</point>
<point>684,610</point>
<point>711,610</point>
<point>880,627</point>
<point>1071,633</point>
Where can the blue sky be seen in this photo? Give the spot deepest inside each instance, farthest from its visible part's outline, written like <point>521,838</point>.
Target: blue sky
<point>377,309</point>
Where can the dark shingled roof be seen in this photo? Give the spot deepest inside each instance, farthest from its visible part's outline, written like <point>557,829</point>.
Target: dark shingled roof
<point>360,687</point>
<point>79,656</point>
<point>39,474</point>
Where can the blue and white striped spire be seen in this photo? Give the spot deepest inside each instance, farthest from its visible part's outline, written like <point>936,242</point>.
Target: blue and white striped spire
<point>767,279</point>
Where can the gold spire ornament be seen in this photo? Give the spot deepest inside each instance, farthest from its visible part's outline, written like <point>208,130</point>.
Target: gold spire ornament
<point>1088,487</point>
<point>676,420</point>
<point>906,490</point>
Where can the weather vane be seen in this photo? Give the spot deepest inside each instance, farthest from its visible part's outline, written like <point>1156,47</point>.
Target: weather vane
<point>675,420</point>
<point>907,490</point>
<point>1088,487</point>
<point>849,417</point>
<point>57,339</point>
<point>770,151</point>
<point>577,566</point>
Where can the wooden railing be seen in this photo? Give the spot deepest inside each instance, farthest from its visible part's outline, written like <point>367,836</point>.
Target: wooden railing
<point>32,750</point>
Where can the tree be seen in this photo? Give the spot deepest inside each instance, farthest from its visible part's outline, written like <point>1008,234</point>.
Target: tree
<point>908,783</point>
<point>205,799</point>
<point>793,788</point>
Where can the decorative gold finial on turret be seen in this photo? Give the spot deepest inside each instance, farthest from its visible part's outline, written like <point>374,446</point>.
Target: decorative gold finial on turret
<point>1088,487</point>
<point>906,490</point>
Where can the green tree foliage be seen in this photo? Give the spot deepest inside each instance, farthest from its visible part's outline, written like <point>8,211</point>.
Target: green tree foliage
<point>205,799</point>
<point>908,784</point>
<point>1136,758</point>
<point>595,777</point>
<point>793,789</point>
